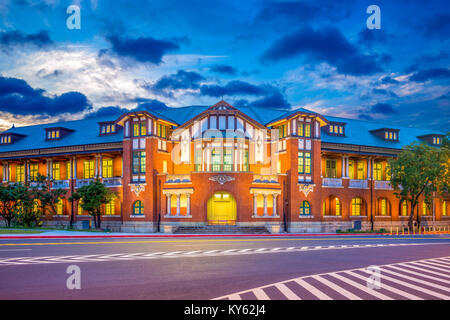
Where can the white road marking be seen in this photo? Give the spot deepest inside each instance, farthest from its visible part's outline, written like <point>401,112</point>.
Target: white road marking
<point>419,287</point>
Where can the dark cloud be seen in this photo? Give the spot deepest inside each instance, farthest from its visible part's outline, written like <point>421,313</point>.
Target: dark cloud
<point>388,80</point>
<point>430,74</point>
<point>223,69</point>
<point>369,37</point>
<point>104,112</point>
<point>382,108</point>
<point>152,104</point>
<point>10,38</point>
<point>234,88</point>
<point>275,100</point>
<point>143,49</point>
<point>180,80</point>
<point>327,45</point>
<point>364,116</point>
<point>43,73</point>
<point>18,97</point>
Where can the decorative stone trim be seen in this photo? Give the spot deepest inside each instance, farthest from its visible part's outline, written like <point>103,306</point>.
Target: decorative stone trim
<point>306,216</point>
<point>329,217</point>
<point>137,216</point>
<point>137,188</point>
<point>306,188</point>
<point>221,179</point>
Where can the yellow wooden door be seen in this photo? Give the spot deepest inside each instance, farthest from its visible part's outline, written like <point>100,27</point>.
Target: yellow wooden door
<point>222,209</point>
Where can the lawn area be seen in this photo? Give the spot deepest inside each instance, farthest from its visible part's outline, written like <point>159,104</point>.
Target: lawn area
<point>18,230</point>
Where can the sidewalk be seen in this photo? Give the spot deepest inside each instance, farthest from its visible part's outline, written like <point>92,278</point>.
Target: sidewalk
<point>65,234</point>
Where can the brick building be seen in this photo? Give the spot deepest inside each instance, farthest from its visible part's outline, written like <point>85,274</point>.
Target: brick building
<point>220,164</point>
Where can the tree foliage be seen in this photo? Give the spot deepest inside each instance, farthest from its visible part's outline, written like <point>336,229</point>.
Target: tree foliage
<point>419,171</point>
<point>93,196</point>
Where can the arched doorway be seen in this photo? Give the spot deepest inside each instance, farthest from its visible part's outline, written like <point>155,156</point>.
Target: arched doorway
<point>222,209</point>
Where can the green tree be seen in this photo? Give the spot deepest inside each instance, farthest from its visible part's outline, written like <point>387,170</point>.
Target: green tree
<point>93,196</point>
<point>9,196</point>
<point>419,170</point>
<point>46,196</point>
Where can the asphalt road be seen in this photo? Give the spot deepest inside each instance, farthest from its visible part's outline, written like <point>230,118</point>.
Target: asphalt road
<point>199,268</point>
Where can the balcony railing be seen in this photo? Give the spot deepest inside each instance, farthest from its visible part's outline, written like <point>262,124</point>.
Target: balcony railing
<point>265,178</point>
<point>115,181</point>
<point>383,185</point>
<point>60,184</point>
<point>358,184</point>
<point>178,178</point>
<point>83,182</point>
<point>331,182</point>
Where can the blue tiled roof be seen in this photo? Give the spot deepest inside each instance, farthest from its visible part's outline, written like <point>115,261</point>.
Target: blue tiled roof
<point>85,132</point>
<point>357,132</point>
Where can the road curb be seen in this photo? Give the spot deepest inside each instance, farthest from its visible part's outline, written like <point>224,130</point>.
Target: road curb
<point>186,236</point>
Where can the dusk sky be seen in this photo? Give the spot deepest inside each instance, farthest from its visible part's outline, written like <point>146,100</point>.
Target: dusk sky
<point>319,55</point>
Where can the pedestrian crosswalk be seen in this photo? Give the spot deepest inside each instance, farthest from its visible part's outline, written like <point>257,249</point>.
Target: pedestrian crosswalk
<point>414,280</point>
<point>193,253</point>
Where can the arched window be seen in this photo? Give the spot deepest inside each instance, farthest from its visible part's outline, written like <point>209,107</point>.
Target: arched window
<point>305,208</point>
<point>404,208</point>
<point>338,206</point>
<point>425,208</point>
<point>110,207</point>
<point>444,208</point>
<point>356,206</point>
<point>383,207</point>
<point>138,208</point>
<point>59,207</point>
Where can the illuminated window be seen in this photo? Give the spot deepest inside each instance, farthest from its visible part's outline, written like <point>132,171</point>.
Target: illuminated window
<point>338,206</point>
<point>110,208</point>
<point>425,208</point>
<point>330,168</point>
<point>5,139</point>
<point>164,166</point>
<point>304,162</point>
<point>360,170</point>
<point>53,134</point>
<point>444,208</point>
<point>245,167</point>
<point>282,130</point>
<point>383,207</point>
<point>307,130</point>
<point>59,206</point>
<point>139,162</point>
<point>80,207</point>
<point>356,206</point>
<point>20,173</point>
<point>107,128</point>
<point>69,170</point>
<point>377,171</point>
<point>351,169</point>
<point>388,172</point>
<point>35,205</point>
<point>33,171</point>
<point>162,131</point>
<point>88,169</point>
<point>138,208</point>
<point>300,130</point>
<point>56,171</point>
<point>107,168</point>
<point>305,208</point>
<point>404,209</point>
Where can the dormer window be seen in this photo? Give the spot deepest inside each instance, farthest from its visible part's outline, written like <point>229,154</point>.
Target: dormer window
<point>387,134</point>
<point>56,133</point>
<point>336,129</point>
<point>282,130</point>
<point>107,128</point>
<point>390,135</point>
<point>53,134</point>
<point>5,139</point>
<point>437,140</point>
